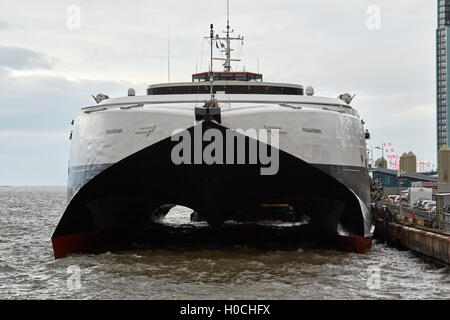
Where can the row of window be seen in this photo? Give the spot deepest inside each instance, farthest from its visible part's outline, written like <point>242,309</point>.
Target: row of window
<point>391,180</point>
<point>444,22</point>
<point>442,67</point>
<point>441,32</point>
<point>443,8</point>
<point>228,77</point>
<point>228,89</point>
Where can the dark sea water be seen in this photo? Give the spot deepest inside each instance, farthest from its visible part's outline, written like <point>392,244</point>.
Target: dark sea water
<point>28,216</point>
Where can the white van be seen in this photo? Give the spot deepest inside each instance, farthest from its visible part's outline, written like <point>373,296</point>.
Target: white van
<point>415,194</point>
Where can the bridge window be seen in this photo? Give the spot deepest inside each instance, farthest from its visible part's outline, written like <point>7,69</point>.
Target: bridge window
<point>228,89</point>
<point>228,76</point>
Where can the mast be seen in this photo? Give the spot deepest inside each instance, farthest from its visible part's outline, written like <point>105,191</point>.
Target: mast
<point>227,39</point>
<point>227,64</point>
<point>211,72</point>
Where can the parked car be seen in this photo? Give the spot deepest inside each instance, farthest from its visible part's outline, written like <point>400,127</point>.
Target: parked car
<point>429,205</point>
<point>392,197</point>
<point>424,203</point>
<point>421,204</point>
<point>418,203</point>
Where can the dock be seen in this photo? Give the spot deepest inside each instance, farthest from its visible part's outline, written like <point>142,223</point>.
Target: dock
<point>423,232</point>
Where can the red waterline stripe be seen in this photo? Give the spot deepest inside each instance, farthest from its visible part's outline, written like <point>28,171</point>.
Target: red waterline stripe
<point>72,243</point>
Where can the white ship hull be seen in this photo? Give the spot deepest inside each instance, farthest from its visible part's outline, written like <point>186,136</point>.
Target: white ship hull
<point>105,137</point>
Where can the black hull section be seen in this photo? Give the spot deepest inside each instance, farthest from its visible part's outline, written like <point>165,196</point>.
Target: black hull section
<point>129,195</point>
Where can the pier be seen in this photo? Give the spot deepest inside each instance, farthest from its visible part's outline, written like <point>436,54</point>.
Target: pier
<point>420,231</point>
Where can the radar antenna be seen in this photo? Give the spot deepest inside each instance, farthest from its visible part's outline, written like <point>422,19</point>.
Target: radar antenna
<point>226,48</point>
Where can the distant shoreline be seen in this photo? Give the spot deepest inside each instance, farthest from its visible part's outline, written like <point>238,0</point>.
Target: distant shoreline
<point>8,186</point>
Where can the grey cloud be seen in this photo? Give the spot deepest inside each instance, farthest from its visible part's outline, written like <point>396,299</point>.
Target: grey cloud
<point>50,102</point>
<point>325,44</point>
<point>35,115</point>
<point>4,25</point>
<point>22,59</point>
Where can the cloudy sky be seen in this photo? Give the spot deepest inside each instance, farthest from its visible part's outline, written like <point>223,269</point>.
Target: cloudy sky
<point>51,62</point>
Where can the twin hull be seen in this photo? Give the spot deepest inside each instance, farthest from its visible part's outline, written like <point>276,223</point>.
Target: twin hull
<point>122,176</point>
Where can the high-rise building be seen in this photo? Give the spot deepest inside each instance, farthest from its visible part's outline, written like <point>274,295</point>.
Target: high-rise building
<point>442,66</point>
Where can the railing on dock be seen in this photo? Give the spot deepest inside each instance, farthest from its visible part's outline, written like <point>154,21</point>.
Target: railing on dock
<point>444,222</point>
<point>436,220</point>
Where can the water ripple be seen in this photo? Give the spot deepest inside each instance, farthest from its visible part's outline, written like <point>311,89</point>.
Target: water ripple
<point>28,217</point>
